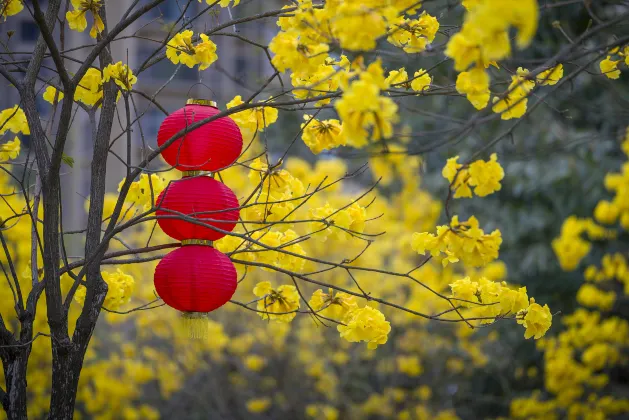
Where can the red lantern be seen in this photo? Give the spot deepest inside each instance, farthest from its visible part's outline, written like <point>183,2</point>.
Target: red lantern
<point>202,198</point>
<point>211,147</point>
<point>195,278</point>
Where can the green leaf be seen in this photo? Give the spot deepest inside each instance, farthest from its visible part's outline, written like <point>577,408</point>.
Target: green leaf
<point>68,160</point>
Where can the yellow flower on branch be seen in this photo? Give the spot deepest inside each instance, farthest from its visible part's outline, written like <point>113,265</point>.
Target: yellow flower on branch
<point>14,120</point>
<point>279,304</point>
<point>181,50</point>
<point>551,76</point>
<point>609,68</point>
<point>475,85</point>
<point>121,74</point>
<point>50,93</point>
<point>10,150</point>
<point>254,119</point>
<point>90,88</point>
<point>536,319</point>
<point>10,8</point>
<point>322,135</point>
<point>365,324</point>
<point>78,22</point>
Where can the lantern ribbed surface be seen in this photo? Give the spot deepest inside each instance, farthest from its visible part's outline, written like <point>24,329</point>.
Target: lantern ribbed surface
<point>211,147</point>
<point>203,198</point>
<point>195,278</point>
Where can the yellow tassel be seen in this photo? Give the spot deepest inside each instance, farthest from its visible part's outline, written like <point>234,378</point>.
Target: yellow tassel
<point>196,323</point>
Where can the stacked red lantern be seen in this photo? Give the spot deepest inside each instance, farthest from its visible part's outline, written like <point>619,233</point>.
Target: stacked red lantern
<point>196,210</point>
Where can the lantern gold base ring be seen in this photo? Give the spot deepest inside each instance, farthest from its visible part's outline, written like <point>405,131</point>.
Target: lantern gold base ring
<point>204,242</point>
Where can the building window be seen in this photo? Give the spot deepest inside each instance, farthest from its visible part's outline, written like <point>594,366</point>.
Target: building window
<point>29,32</point>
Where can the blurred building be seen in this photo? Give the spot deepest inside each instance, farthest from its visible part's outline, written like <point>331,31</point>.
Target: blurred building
<point>238,70</point>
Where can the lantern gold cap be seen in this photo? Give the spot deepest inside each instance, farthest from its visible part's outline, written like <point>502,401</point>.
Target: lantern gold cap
<point>204,102</point>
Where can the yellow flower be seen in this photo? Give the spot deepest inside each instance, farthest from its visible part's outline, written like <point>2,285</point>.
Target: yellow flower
<point>484,36</point>
<point>90,88</point>
<point>254,119</point>
<point>10,150</point>
<point>551,76</point>
<point>296,52</point>
<point>180,50</point>
<point>121,74</point>
<point>358,24</point>
<point>606,212</point>
<point>536,319</point>
<point>145,191</point>
<point>365,324</point>
<point>397,77</point>
<point>610,68</point>
<point>258,405</point>
<point>13,120</point>
<point>410,365</point>
<point>78,22</point>
<point>362,108</point>
<point>413,35</point>
<point>485,177</point>
<point>50,93</point>
<point>475,85</point>
<point>466,290</point>
<point>10,8</point>
<point>321,135</point>
<point>279,304</point>
<point>421,80</point>
<point>591,296</point>
<point>205,52</point>
<point>120,285</point>
<point>254,362</point>
<point>332,305</point>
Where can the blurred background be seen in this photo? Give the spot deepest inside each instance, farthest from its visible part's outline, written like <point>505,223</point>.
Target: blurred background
<point>555,164</point>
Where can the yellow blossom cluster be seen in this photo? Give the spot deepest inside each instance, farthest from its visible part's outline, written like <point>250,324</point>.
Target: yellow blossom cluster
<point>609,67</point>
<point>483,176</point>
<point>90,87</point>
<point>365,324</point>
<point>484,36</point>
<point>181,49</point>
<point>144,192</point>
<point>489,300</point>
<point>322,135</point>
<point>514,101</point>
<point>9,150</point>
<point>279,304</point>
<point>570,247</point>
<point>120,285</point>
<point>328,222</point>
<point>616,210</point>
<point>413,34</point>
<point>474,84</point>
<point>333,305</point>
<point>253,120</point>
<point>52,95</point>
<point>14,120</point>
<point>10,8</point>
<point>121,74</point>
<point>325,80</point>
<point>464,241</point>
<point>363,108</point>
<point>77,20</point>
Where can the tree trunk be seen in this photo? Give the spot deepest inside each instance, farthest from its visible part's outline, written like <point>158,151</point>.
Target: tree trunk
<point>14,401</point>
<point>67,362</point>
